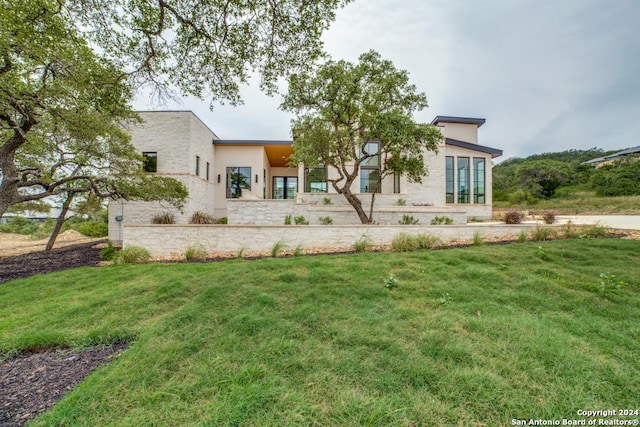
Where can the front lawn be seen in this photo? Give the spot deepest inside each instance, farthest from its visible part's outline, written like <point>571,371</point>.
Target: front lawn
<point>474,336</point>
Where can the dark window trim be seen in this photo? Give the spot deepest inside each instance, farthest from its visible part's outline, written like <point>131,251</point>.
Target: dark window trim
<point>147,165</point>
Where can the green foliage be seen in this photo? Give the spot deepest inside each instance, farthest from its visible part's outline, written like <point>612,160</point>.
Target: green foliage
<point>326,220</point>
<point>300,220</point>
<point>408,220</point>
<point>93,228</point>
<point>542,254</point>
<point>427,241</point>
<point>297,251</point>
<point>202,218</point>
<point>195,252</point>
<point>513,216</point>
<point>377,103</point>
<point>390,282</point>
<point>133,255</point>
<point>19,225</point>
<point>326,201</point>
<point>287,220</point>
<point>109,252</point>
<point>222,220</point>
<point>363,244</point>
<point>609,284</point>
<point>519,197</point>
<point>543,233</point>
<point>401,202</point>
<point>404,242</point>
<point>163,218</point>
<point>593,231</point>
<point>478,240</point>
<point>569,231</point>
<point>621,178</point>
<point>522,237</point>
<point>439,220</point>
<point>277,248</point>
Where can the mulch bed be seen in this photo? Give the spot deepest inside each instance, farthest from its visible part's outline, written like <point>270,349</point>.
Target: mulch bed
<point>35,380</point>
<point>25,265</point>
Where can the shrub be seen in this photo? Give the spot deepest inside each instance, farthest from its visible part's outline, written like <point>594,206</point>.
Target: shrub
<point>513,216</point>
<point>439,220</point>
<point>404,242</point>
<point>522,237</point>
<point>196,251</point>
<point>401,202</point>
<point>427,241</point>
<point>287,220</point>
<point>277,247</point>
<point>202,218</point>
<point>569,231</point>
<point>298,251</point>
<point>522,197</point>
<point>543,233</point>
<point>164,218</point>
<point>93,229</point>
<point>326,220</point>
<point>109,252</point>
<point>222,220</point>
<point>390,282</point>
<point>593,231</point>
<point>363,244</point>
<point>549,217</point>
<point>133,255</point>
<point>300,220</point>
<point>477,239</point>
<point>326,201</point>
<point>408,220</point>
<point>19,225</point>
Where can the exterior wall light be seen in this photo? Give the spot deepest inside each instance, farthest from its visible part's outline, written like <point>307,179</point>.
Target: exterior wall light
<point>218,178</point>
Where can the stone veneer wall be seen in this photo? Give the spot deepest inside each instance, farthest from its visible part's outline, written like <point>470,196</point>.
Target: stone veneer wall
<point>273,212</point>
<point>174,240</point>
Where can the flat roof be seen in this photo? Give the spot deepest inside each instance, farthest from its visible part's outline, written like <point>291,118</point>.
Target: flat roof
<point>495,152</point>
<point>251,142</point>
<point>462,120</point>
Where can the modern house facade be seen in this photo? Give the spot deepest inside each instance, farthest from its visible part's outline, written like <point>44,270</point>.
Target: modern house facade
<point>251,181</point>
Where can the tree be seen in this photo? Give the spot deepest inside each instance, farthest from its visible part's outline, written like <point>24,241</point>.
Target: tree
<point>342,108</point>
<point>68,70</point>
<point>543,177</point>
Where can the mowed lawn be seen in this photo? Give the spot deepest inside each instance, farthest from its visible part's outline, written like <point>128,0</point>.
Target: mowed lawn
<point>472,336</point>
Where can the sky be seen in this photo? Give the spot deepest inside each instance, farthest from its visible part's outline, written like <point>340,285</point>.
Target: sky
<point>547,75</point>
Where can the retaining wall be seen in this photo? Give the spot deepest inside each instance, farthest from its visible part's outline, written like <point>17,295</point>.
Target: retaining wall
<point>171,240</point>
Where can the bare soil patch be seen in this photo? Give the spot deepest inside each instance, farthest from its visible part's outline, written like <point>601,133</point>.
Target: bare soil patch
<point>17,244</point>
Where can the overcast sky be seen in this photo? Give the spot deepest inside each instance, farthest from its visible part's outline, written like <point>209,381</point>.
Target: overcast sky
<point>547,75</point>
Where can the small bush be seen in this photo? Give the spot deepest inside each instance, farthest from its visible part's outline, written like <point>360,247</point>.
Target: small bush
<point>363,244</point>
<point>195,252</point>
<point>549,217</point>
<point>522,197</point>
<point>439,220</point>
<point>326,220</point>
<point>477,239</point>
<point>298,251</point>
<point>408,220</point>
<point>133,255</point>
<point>609,283</point>
<point>427,241</point>
<point>222,220</point>
<point>404,242</point>
<point>593,231</point>
<point>109,252</point>
<point>326,201</point>
<point>569,231</point>
<point>277,247</point>
<point>390,282</point>
<point>513,216</point>
<point>287,220</point>
<point>202,218</point>
<point>93,229</point>
<point>522,237</point>
<point>164,218</point>
<point>19,225</point>
<point>543,233</point>
<point>401,202</point>
<point>300,220</point>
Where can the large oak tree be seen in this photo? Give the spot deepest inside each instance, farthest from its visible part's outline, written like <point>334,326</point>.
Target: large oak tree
<point>342,107</point>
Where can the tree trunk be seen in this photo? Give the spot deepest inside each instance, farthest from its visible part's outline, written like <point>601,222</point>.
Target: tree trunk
<point>357,205</point>
<point>9,183</point>
<point>59,222</point>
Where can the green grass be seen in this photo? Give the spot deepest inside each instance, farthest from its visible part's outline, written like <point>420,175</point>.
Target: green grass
<point>582,203</point>
<point>472,336</point>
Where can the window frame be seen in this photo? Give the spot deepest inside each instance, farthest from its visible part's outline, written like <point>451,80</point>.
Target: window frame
<point>370,165</point>
<point>464,179</point>
<point>450,179</point>
<point>477,194</point>
<point>324,182</point>
<point>237,169</point>
<point>147,165</point>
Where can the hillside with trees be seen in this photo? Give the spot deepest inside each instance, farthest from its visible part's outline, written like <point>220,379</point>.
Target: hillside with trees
<point>518,181</point>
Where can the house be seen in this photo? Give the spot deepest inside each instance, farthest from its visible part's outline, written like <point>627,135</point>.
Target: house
<point>598,161</point>
<point>251,182</point>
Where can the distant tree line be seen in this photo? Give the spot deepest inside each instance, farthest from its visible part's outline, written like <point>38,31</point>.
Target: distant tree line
<point>547,175</point>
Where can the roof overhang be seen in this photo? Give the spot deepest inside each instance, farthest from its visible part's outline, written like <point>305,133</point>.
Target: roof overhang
<point>475,147</point>
<point>278,152</point>
<point>461,120</point>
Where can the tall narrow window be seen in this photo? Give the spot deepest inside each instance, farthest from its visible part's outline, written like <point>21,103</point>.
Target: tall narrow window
<point>208,165</point>
<point>315,180</point>
<point>238,179</point>
<point>150,161</point>
<point>478,180</point>
<point>396,183</point>
<point>463,180</point>
<point>197,165</point>
<point>449,186</point>
<point>370,168</point>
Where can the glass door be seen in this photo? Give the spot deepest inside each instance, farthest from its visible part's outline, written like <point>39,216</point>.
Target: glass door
<point>285,187</point>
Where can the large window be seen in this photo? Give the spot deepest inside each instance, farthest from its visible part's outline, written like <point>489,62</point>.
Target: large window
<point>150,161</point>
<point>463,180</point>
<point>285,187</point>
<point>315,180</point>
<point>238,179</point>
<point>370,168</point>
<point>478,180</point>
<point>449,179</point>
